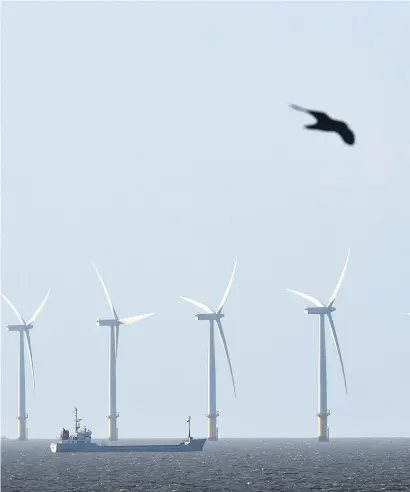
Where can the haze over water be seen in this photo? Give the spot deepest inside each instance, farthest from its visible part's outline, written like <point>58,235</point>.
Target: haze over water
<point>156,139</point>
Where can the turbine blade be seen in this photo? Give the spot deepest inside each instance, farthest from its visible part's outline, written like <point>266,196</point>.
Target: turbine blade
<point>114,314</point>
<point>334,335</point>
<point>117,337</point>
<point>19,317</point>
<point>39,309</point>
<point>198,304</point>
<point>30,354</point>
<point>221,334</point>
<point>134,319</point>
<point>307,297</point>
<point>228,288</point>
<point>339,283</point>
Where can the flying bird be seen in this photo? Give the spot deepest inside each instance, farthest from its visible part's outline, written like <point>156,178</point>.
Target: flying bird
<point>327,124</point>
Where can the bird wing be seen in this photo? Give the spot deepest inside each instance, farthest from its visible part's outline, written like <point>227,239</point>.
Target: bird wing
<point>317,114</point>
<point>298,108</point>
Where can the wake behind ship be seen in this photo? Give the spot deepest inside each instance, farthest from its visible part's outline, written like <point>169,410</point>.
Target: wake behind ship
<point>80,442</point>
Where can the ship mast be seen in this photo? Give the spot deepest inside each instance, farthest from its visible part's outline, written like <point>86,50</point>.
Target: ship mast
<point>189,427</point>
<point>76,420</point>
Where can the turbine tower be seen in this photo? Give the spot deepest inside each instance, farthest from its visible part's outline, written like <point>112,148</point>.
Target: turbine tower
<point>325,310</point>
<point>23,329</point>
<point>214,316</point>
<point>114,324</point>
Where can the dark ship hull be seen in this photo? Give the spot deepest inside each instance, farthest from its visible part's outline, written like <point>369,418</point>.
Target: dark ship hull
<point>190,446</point>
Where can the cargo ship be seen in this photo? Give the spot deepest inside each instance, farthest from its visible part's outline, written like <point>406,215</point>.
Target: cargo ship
<point>80,442</point>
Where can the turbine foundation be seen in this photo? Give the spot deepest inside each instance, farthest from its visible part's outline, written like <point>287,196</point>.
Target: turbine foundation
<point>22,428</point>
<point>323,427</point>
<point>212,427</point>
<point>112,429</point>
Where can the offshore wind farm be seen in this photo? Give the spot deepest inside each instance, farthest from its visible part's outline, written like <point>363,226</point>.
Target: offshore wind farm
<point>213,317</point>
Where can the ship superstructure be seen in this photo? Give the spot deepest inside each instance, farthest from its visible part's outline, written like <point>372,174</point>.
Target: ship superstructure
<point>80,437</point>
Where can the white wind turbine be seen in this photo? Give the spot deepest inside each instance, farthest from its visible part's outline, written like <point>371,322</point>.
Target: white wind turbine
<point>114,323</point>
<point>325,310</point>
<point>214,316</point>
<point>23,329</point>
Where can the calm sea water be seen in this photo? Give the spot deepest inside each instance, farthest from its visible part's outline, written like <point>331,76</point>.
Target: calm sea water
<point>228,465</point>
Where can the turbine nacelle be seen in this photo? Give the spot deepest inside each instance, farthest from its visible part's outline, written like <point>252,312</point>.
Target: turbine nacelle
<point>320,310</point>
<point>19,327</point>
<point>108,322</point>
<point>209,316</point>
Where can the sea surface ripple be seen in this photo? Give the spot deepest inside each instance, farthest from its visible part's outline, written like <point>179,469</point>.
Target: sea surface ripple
<point>228,465</point>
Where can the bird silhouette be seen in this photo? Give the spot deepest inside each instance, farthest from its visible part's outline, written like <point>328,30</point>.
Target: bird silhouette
<point>327,124</point>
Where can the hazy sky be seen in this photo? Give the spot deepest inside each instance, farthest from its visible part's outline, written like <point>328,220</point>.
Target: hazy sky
<point>156,139</point>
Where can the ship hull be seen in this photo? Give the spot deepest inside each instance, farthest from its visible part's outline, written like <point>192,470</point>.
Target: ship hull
<point>194,445</point>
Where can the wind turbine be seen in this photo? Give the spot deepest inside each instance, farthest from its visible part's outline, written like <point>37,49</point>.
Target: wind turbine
<point>214,316</point>
<point>325,310</point>
<point>23,328</point>
<point>114,324</point>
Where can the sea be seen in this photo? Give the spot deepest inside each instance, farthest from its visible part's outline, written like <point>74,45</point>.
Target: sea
<point>228,465</point>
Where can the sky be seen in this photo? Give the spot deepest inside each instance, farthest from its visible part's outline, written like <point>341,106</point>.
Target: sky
<point>156,139</point>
